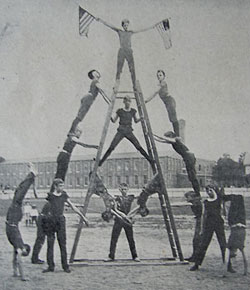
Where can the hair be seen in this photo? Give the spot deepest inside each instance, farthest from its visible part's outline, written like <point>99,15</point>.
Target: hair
<point>123,184</point>
<point>125,21</point>
<point>57,181</point>
<point>127,97</point>
<point>26,247</point>
<point>162,71</point>
<point>90,73</point>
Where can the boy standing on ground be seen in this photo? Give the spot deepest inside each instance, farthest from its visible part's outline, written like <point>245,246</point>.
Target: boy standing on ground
<point>124,205</point>
<point>55,224</point>
<point>196,208</point>
<point>213,222</point>
<point>14,216</point>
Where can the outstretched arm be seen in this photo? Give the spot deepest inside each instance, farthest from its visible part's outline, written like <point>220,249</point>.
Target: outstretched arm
<point>151,98</point>
<point>83,144</point>
<point>107,24</point>
<point>105,97</point>
<point>76,210</point>
<point>144,29</point>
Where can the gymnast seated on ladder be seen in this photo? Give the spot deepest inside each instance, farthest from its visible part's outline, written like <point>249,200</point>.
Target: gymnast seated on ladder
<point>125,130</point>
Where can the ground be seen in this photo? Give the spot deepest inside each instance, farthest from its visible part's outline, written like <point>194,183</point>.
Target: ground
<point>152,242</point>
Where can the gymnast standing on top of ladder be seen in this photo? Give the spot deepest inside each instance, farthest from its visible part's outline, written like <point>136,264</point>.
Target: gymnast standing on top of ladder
<point>168,101</point>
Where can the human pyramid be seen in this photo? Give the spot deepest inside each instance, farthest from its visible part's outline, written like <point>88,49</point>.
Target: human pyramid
<point>51,220</point>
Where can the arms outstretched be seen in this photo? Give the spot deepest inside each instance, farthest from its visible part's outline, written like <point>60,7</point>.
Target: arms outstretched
<point>107,24</point>
<point>144,29</point>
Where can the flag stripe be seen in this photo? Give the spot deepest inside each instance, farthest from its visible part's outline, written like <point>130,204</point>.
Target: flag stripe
<point>86,21</point>
<point>163,29</point>
<point>84,18</point>
<point>85,27</point>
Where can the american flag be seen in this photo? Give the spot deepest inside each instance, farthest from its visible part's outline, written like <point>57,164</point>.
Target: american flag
<point>85,19</point>
<point>164,30</point>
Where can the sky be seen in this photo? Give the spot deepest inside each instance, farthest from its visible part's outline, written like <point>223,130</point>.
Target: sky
<point>44,66</point>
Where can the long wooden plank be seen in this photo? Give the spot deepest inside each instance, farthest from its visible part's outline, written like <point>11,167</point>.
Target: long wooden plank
<point>92,178</point>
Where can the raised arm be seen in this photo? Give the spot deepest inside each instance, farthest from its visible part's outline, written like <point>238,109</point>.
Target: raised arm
<point>107,24</point>
<point>76,210</point>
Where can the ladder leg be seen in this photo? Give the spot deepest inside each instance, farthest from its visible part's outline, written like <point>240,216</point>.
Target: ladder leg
<point>163,186</point>
<point>93,175</point>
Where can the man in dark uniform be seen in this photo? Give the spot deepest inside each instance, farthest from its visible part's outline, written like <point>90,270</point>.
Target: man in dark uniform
<point>124,205</point>
<point>40,236</point>
<point>196,207</point>
<point>213,222</point>
<point>55,224</point>
<point>14,216</point>
<point>237,223</point>
<point>187,156</point>
<point>125,130</point>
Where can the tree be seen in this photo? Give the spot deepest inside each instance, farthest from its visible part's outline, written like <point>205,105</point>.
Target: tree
<point>1,159</point>
<point>228,172</point>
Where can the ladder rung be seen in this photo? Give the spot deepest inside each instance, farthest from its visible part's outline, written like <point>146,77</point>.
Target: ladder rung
<point>125,92</point>
<point>123,98</point>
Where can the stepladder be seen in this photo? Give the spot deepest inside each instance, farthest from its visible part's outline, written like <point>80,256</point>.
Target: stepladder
<point>156,168</point>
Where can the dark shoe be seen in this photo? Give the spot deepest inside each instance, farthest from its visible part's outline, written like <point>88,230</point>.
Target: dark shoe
<point>48,270</point>
<point>194,268</point>
<point>190,259</point>
<point>37,261</point>
<point>67,270</point>
<point>230,270</point>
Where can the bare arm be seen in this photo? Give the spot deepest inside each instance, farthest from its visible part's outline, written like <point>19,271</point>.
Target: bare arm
<point>144,29</point>
<point>107,24</point>
<point>115,118</point>
<point>83,144</point>
<point>163,140</point>
<point>105,97</point>
<point>137,119</point>
<point>151,98</point>
<point>76,210</point>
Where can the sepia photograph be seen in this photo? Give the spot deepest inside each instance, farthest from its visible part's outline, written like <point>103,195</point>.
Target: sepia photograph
<point>124,153</point>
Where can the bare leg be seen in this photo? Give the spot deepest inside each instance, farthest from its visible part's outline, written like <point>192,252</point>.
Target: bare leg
<point>244,261</point>
<point>20,265</point>
<point>14,263</point>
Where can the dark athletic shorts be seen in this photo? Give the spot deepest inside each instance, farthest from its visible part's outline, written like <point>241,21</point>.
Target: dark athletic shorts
<point>14,236</point>
<point>237,238</point>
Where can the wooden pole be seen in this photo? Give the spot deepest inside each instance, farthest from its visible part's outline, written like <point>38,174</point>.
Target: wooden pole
<point>93,175</point>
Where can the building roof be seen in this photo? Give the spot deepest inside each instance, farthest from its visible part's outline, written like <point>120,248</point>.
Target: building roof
<point>167,153</point>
